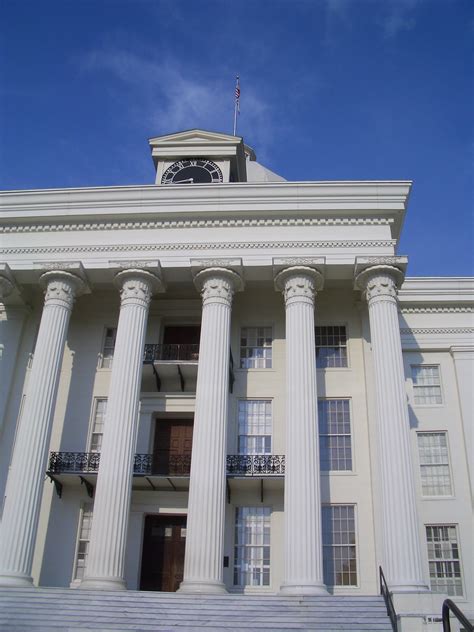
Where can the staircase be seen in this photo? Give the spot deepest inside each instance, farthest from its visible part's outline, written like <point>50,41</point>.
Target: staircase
<point>60,609</point>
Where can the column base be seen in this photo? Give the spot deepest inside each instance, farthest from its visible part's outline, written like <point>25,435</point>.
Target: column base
<point>303,589</point>
<point>16,581</point>
<point>198,587</point>
<point>103,583</point>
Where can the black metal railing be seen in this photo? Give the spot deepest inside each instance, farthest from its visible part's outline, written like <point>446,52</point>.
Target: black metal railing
<point>74,462</point>
<point>165,464</point>
<point>387,595</point>
<point>255,465</point>
<point>171,353</point>
<point>450,606</point>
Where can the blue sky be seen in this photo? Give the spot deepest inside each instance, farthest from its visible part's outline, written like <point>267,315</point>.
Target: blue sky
<point>331,90</point>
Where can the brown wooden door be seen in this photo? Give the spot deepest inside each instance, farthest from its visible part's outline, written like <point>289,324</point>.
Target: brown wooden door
<point>182,335</point>
<point>172,447</point>
<point>164,542</point>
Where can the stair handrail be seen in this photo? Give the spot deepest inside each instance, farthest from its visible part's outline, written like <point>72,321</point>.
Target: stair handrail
<point>387,596</point>
<point>449,605</point>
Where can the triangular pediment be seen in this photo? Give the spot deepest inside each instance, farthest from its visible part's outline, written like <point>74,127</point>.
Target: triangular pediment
<point>199,136</point>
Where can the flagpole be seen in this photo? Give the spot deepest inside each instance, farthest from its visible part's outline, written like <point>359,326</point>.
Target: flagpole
<point>236,104</point>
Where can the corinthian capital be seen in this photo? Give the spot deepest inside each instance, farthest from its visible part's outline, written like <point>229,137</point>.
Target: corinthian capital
<point>299,284</point>
<point>61,288</point>
<point>137,286</point>
<point>217,285</point>
<point>7,282</point>
<point>379,282</point>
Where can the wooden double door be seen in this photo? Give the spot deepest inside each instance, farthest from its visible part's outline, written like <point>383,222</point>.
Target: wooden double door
<point>164,542</point>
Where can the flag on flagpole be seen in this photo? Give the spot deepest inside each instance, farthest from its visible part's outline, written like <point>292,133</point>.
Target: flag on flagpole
<point>237,94</point>
<point>237,103</point>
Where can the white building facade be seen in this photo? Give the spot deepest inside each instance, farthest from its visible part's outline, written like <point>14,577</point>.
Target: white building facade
<point>224,382</point>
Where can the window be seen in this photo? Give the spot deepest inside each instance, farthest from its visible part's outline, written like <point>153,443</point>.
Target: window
<point>331,346</point>
<point>339,546</point>
<point>434,464</point>
<point>256,348</point>
<point>444,560</point>
<point>335,450</point>
<point>97,431</point>
<point>252,546</point>
<point>426,384</point>
<point>255,427</point>
<point>85,523</point>
<point>108,347</point>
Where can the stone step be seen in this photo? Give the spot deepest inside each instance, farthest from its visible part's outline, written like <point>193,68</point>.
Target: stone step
<point>66,610</point>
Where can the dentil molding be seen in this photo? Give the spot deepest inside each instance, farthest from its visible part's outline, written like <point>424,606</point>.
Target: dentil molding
<point>194,223</point>
<point>179,246</point>
<point>436,330</point>
<point>443,309</point>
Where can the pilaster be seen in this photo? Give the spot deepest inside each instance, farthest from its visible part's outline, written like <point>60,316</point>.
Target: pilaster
<point>203,562</point>
<point>25,482</point>
<point>303,538</point>
<point>402,561</point>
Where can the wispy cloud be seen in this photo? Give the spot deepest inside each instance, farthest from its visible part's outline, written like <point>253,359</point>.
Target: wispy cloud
<point>399,16</point>
<point>169,96</point>
<point>392,16</point>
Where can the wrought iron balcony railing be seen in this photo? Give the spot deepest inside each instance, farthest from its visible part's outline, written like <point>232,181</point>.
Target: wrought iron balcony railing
<point>255,465</point>
<point>171,353</point>
<point>143,464</point>
<point>165,464</point>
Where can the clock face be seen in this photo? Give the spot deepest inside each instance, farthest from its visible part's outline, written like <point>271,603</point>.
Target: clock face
<point>195,170</point>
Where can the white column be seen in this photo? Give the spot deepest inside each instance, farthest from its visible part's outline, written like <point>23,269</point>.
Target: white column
<point>25,481</point>
<point>105,562</point>
<point>203,561</point>
<point>303,540</point>
<point>402,563</point>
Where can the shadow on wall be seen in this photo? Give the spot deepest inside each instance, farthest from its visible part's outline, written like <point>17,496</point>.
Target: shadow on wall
<point>84,344</point>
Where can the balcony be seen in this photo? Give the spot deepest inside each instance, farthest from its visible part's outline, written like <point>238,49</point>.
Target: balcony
<point>170,367</point>
<point>170,473</point>
<point>173,367</point>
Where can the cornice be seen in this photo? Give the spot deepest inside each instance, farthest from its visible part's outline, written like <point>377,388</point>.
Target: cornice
<point>193,223</point>
<point>180,246</point>
<point>231,201</point>
<point>437,289</point>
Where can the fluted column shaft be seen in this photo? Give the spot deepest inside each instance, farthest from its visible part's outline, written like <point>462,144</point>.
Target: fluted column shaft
<point>402,562</point>
<point>203,562</point>
<point>105,562</point>
<point>303,539</point>
<point>25,481</point>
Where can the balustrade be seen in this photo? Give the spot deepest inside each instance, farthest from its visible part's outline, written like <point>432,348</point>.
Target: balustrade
<point>175,465</point>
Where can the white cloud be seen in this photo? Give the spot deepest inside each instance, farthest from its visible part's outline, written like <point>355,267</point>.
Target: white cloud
<point>167,95</point>
<point>398,16</point>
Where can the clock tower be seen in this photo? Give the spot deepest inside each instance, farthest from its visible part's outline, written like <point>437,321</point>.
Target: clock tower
<point>200,157</point>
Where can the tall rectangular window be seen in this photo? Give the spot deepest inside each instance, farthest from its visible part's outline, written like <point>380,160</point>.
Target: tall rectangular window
<point>252,546</point>
<point>335,449</point>
<point>255,426</point>
<point>108,347</point>
<point>426,384</point>
<point>256,348</point>
<point>97,429</point>
<point>331,346</point>
<point>83,541</point>
<point>339,545</point>
<point>444,559</point>
<point>434,464</point>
